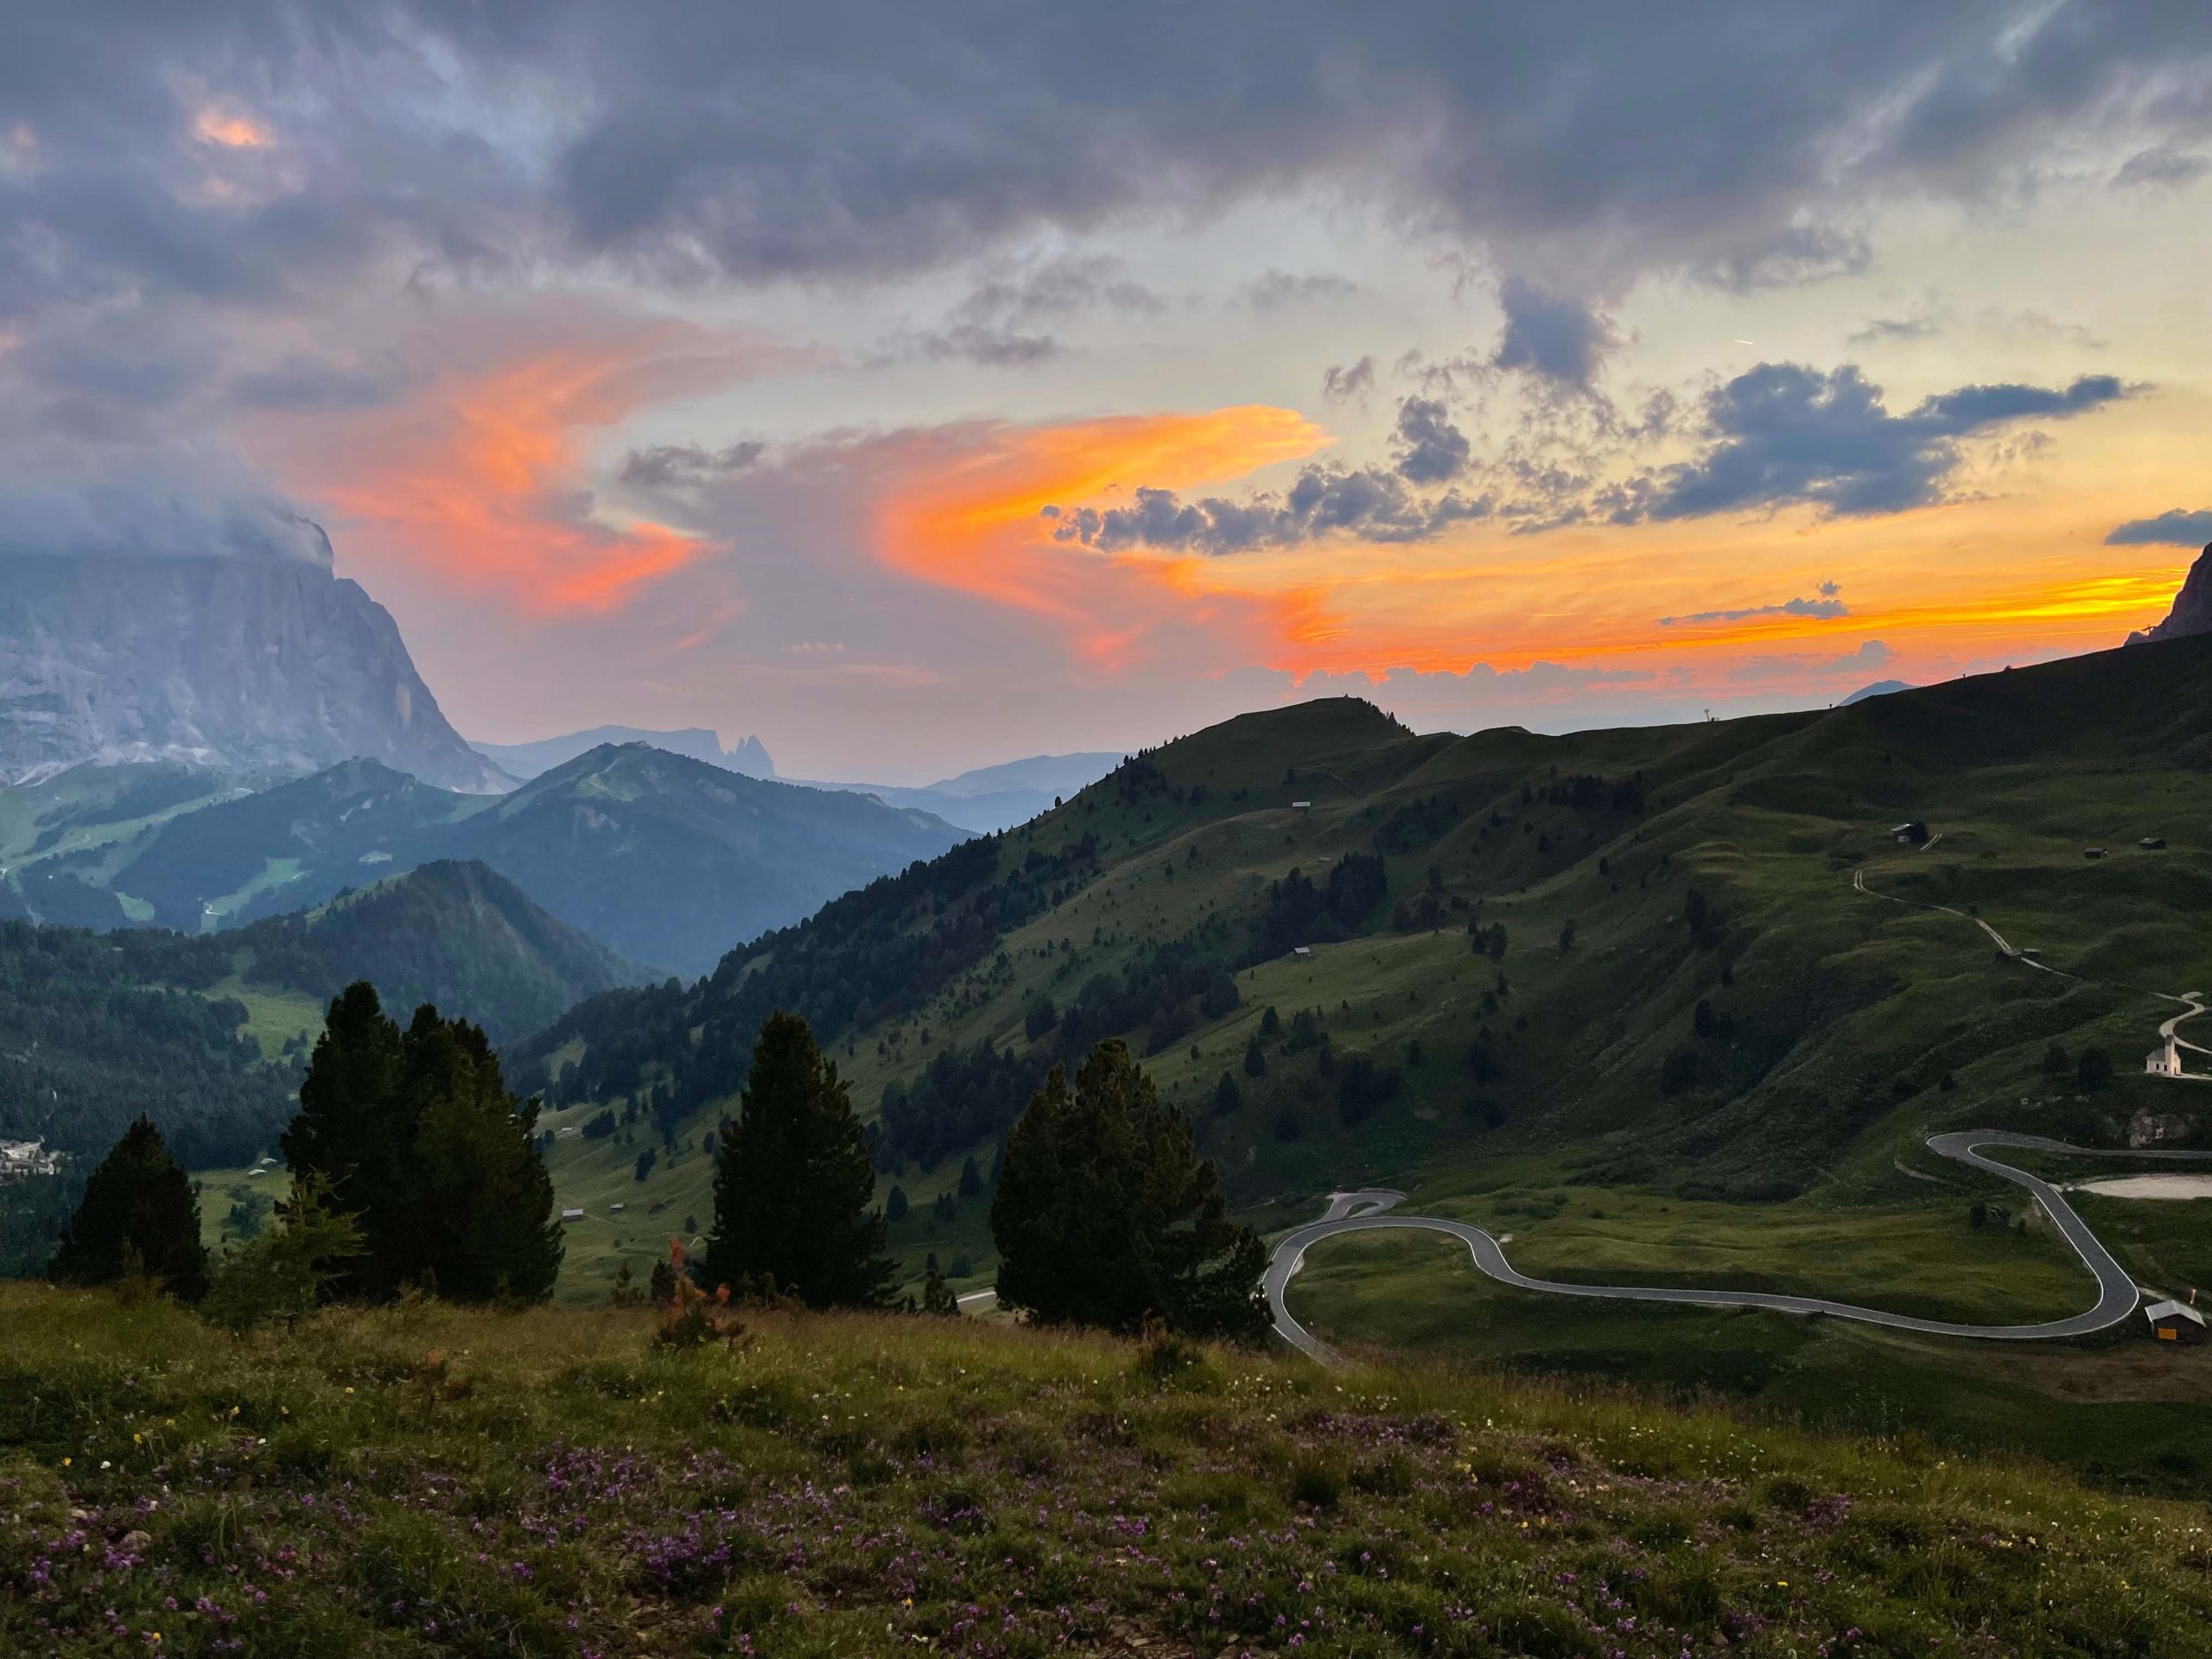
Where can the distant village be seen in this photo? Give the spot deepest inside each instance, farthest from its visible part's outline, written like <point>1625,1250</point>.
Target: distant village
<point>22,1160</point>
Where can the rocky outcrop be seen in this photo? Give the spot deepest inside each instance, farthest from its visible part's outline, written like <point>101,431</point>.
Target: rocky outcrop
<point>253,665</point>
<point>2192,611</point>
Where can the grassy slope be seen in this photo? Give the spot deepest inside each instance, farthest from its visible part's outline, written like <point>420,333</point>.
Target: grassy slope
<point>1846,1009</point>
<point>275,1016</point>
<point>538,1482</point>
<point>1792,1149</point>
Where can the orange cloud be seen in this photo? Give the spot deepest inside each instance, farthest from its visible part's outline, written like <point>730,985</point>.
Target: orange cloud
<point>475,481</point>
<point>966,514</point>
<point>227,131</point>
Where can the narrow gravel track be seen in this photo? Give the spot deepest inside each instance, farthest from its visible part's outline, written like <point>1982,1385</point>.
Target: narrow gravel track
<point>1375,1208</point>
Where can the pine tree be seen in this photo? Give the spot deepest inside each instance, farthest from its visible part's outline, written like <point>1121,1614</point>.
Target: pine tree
<point>417,1135</point>
<point>283,1274</point>
<point>936,1295</point>
<point>1106,1216</point>
<point>139,1215</point>
<point>793,1182</point>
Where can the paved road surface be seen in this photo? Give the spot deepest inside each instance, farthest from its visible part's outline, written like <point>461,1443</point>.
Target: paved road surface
<point>1373,1208</point>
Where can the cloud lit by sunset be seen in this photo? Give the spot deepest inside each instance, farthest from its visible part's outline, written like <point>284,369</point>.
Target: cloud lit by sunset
<point>1492,376</point>
<point>972,516</point>
<point>477,480</point>
<point>228,131</point>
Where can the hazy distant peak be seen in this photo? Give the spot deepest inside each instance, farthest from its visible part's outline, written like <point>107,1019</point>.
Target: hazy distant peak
<point>1880,689</point>
<point>533,760</point>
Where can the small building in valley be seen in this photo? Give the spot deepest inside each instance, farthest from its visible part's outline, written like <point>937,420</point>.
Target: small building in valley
<point>2175,1322</point>
<point>572,1215</point>
<point>1305,951</point>
<point>2164,1062</point>
<point>1912,833</point>
<point>2152,843</point>
<point>1301,806</point>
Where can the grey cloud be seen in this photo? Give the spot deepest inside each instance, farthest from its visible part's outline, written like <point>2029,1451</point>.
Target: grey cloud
<point>1342,384</point>
<point>1609,135</point>
<point>1789,255</point>
<point>870,139</point>
<point>303,382</point>
<point>1061,286</point>
<point>1783,434</point>
<point>992,348</point>
<point>1970,408</point>
<point>1431,450</point>
<point>163,511</point>
<point>2176,527</point>
<point>1282,291</point>
<point>1367,505</point>
<point>669,465</point>
<point>995,325</point>
<point>1882,331</point>
<point>2161,166</point>
<point>1825,608</point>
<point>1555,336</point>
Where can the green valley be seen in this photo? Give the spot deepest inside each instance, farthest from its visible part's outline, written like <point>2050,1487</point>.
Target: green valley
<point>1676,1004</point>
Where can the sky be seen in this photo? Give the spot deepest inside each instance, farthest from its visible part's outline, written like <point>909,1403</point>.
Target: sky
<point>921,387</point>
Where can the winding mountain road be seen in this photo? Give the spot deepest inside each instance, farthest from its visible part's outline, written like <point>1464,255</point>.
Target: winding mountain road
<point>2194,1002</point>
<point>1373,1208</point>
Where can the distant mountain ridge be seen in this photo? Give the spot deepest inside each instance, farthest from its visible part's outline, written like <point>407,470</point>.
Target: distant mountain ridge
<point>668,860</point>
<point>1878,688</point>
<point>245,663</point>
<point>452,933</point>
<point>983,801</point>
<point>990,798</point>
<point>524,761</point>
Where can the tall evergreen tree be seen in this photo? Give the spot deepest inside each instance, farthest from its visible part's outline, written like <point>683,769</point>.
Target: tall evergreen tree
<point>1105,1214</point>
<point>793,1182</point>
<point>139,1214</point>
<point>417,1134</point>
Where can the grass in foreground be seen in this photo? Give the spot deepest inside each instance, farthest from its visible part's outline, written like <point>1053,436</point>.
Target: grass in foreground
<point>548,1483</point>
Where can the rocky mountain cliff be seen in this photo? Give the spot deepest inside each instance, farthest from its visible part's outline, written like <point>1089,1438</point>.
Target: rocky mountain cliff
<point>2192,611</point>
<point>262,665</point>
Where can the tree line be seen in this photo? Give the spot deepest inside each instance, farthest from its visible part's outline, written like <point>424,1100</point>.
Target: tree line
<point>415,1168</point>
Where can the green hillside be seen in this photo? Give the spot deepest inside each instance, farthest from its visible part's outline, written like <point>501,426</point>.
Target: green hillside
<point>205,1032</point>
<point>456,934</point>
<point>1695,1003</point>
<point>665,858</point>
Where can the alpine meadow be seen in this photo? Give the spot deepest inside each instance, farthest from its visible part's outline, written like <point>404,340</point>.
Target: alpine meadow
<point>1180,833</point>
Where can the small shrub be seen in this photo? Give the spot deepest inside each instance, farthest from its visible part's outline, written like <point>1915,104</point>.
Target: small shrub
<point>1164,1357</point>
<point>1316,1482</point>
